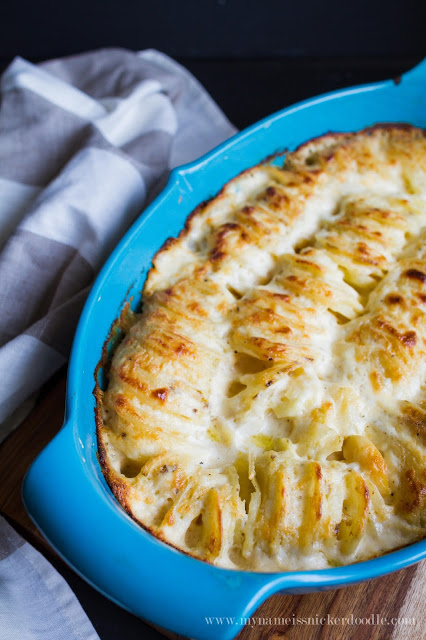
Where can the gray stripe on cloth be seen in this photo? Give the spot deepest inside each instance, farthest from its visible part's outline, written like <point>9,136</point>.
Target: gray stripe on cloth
<point>9,540</point>
<point>15,200</point>
<point>36,602</point>
<point>37,274</point>
<point>57,328</point>
<point>25,365</point>
<point>151,149</point>
<point>34,129</point>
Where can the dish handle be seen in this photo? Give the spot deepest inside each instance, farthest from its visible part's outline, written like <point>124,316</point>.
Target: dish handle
<point>82,522</point>
<point>233,605</point>
<point>416,75</point>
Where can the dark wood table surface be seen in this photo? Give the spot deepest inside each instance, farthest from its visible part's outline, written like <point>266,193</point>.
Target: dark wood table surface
<point>399,595</point>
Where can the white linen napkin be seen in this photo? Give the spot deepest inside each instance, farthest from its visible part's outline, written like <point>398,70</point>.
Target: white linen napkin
<point>36,603</point>
<point>84,144</point>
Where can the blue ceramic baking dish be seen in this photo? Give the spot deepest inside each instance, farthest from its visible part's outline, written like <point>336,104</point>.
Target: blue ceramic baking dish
<point>64,490</point>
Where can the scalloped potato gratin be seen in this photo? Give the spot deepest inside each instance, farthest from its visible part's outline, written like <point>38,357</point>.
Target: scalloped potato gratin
<point>266,410</point>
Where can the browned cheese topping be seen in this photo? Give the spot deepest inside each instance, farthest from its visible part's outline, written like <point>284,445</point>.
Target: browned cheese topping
<point>267,409</point>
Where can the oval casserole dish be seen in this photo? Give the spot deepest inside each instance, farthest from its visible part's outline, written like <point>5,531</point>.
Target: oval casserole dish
<point>64,491</point>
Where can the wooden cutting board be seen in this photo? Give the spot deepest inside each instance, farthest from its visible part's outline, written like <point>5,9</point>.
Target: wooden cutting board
<point>390,608</point>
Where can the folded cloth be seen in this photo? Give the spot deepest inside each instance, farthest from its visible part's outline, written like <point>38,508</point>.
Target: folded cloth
<point>36,603</point>
<point>85,142</point>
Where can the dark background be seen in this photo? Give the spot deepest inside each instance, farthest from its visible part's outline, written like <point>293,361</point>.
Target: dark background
<point>215,28</point>
<point>253,56</point>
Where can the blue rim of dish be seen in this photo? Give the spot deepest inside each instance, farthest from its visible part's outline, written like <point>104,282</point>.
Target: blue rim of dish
<point>254,587</point>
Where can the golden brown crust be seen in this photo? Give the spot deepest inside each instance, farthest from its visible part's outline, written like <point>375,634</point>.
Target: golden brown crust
<point>266,410</point>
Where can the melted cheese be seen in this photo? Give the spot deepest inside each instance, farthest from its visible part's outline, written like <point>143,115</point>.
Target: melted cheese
<point>267,409</point>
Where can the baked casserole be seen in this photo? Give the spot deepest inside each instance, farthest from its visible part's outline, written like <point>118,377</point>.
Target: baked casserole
<point>266,410</point>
